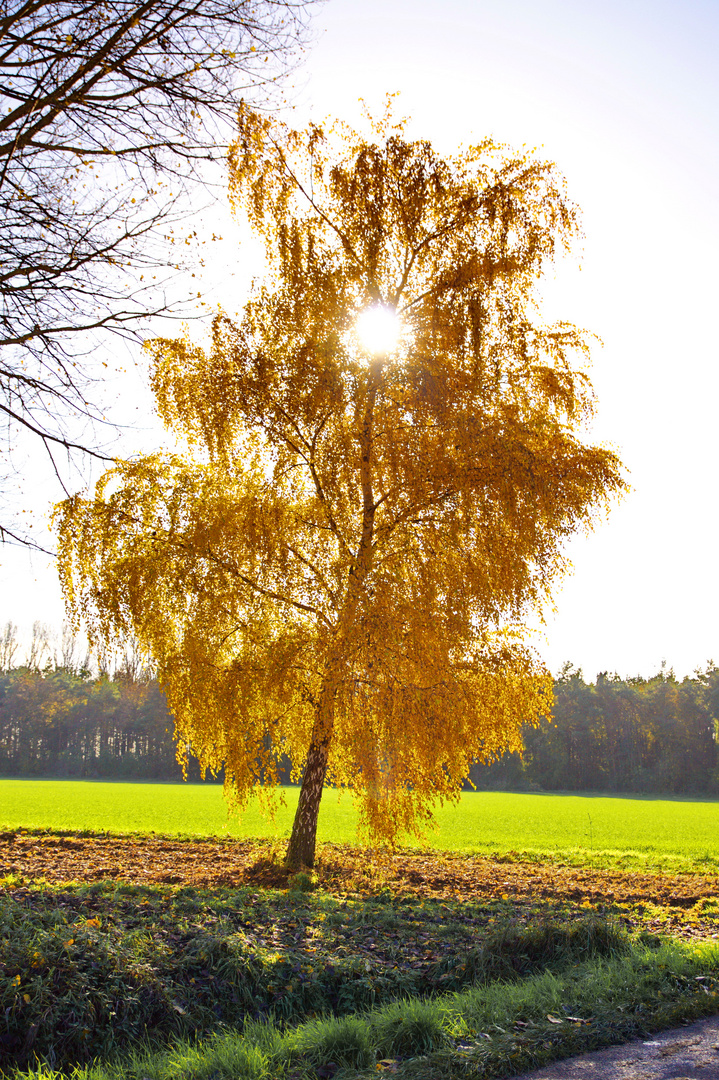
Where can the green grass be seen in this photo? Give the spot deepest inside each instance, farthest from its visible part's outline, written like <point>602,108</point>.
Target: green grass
<point>491,1029</point>
<point>88,971</point>
<point>673,834</point>
<point>112,981</point>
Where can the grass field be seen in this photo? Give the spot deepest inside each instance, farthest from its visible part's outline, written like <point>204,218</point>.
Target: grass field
<point>629,831</point>
<point>449,970</point>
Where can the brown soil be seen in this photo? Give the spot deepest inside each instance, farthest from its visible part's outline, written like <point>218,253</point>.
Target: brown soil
<point>672,902</point>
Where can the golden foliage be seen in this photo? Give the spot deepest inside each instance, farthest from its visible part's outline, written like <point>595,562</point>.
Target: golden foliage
<point>341,566</point>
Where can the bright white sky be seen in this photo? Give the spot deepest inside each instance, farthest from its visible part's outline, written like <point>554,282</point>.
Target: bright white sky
<point>624,97</point>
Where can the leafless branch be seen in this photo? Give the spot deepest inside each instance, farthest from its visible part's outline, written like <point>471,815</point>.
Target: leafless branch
<point>108,117</point>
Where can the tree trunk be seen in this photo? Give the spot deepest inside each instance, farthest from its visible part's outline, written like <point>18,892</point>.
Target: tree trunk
<point>301,848</point>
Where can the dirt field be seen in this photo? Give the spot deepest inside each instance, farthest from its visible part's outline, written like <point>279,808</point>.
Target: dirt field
<point>686,904</point>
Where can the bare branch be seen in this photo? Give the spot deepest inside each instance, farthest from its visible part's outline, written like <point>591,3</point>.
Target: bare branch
<point>107,117</point>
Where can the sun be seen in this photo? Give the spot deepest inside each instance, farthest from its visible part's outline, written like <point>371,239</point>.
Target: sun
<point>378,329</point>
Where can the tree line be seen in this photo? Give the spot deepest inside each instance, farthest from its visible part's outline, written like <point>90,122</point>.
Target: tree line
<point>65,722</point>
<point>654,735</point>
<point>61,716</point>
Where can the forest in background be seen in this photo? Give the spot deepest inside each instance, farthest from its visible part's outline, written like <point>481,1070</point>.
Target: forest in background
<point>656,735</point>
<point>58,717</point>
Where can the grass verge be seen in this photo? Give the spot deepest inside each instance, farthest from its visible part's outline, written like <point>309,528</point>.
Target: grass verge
<point>87,972</point>
<point>114,980</point>
<point>494,1030</point>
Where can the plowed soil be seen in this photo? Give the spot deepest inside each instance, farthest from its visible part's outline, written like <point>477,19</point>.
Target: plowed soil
<point>687,903</point>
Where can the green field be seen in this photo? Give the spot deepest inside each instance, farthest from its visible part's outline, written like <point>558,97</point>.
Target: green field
<point>577,827</point>
<point>122,981</point>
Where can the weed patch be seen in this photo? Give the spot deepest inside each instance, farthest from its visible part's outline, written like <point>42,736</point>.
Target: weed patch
<point>489,1031</point>
<point>87,973</point>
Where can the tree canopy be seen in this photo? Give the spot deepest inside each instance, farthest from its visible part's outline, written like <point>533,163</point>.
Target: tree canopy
<point>341,566</point>
<point>107,113</point>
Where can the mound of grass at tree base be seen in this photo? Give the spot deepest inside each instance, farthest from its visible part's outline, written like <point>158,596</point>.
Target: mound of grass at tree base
<point>661,833</point>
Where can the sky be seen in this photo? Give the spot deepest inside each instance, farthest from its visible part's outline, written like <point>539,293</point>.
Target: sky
<point>624,97</point>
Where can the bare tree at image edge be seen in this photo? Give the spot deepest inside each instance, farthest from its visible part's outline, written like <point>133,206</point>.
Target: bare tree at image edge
<point>108,118</point>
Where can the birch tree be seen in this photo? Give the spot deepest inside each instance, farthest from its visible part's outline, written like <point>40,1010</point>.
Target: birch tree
<point>341,566</point>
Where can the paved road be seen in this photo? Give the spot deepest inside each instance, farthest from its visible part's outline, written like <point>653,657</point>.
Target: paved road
<point>685,1053</point>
